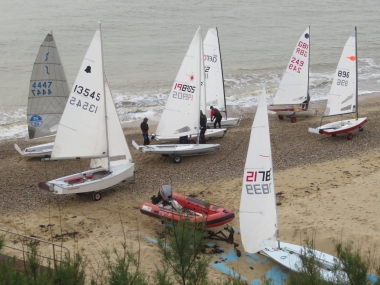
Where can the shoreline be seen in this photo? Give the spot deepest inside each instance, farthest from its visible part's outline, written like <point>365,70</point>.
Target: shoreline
<point>329,185</point>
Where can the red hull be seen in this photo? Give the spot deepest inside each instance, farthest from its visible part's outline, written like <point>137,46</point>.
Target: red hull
<point>329,133</point>
<point>214,216</point>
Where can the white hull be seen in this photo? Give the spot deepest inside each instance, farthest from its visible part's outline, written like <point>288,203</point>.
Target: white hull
<point>117,174</point>
<point>289,256</point>
<point>41,150</point>
<point>339,127</point>
<point>209,134</point>
<point>292,112</point>
<point>178,149</point>
<point>226,123</point>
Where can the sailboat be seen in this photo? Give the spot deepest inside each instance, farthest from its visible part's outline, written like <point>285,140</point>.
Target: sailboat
<point>215,93</point>
<point>90,128</point>
<point>181,114</point>
<point>182,94</point>
<point>343,97</point>
<point>292,97</point>
<point>258,213</point>
<point>48,94</point>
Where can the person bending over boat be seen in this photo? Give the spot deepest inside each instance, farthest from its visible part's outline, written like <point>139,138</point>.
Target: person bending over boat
<point>145,131</point>
<point>215,114</point>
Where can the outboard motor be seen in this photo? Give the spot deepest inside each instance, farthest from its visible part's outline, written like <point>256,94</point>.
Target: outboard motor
<point>166,192</point>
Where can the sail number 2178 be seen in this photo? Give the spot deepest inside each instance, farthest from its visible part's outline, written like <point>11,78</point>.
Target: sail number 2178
<point>253,184</point>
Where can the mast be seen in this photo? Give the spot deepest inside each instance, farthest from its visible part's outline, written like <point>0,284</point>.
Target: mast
<point>104,92</point>
<point>356,66</point>
<point>308,72</point>
<point>199,78</point>
<point>221,67</point>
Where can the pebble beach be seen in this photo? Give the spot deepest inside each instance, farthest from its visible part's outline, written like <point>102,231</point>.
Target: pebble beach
<point>328,184</point>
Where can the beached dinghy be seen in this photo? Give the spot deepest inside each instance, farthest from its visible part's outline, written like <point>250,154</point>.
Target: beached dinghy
<point>292,97</point>
<point>48,93</point>
<point>258,214</point>
<point>343,97</point>
<point>215,93</point>
<point>180,117</point>
<point>182,96</point>
<point>90,128</point>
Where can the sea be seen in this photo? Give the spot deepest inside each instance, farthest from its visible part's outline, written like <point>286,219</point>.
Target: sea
<point>144,43</point>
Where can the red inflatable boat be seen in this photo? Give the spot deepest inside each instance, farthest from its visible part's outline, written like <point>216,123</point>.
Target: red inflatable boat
<point>194,210</point>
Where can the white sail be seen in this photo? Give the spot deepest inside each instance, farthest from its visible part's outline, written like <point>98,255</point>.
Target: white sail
<point>118,149</point>
<point>181,114</point>
<point>48,91</point>
<point>213,71</point>
<point>342,97</point>
<point>294,86</point>
<point>82,129</point>
<point>258,218</point>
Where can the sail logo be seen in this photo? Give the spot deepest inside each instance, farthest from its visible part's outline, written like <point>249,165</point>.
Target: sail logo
<point>47,56</point>
<point>258,182</point>
<point>36,121</point>
<point>88,69</point>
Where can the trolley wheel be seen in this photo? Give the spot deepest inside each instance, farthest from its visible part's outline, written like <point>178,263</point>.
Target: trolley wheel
<point>293,119</point>
<point>350,136</point>
<point>281,117</point>
<point>361,128</point>
<point>177,158</point>
<point>97,196</point>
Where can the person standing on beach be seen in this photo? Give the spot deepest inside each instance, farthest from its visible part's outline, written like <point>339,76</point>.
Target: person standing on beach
<point>203,123</point>
<point>145,131</point>
<point>215,114</point>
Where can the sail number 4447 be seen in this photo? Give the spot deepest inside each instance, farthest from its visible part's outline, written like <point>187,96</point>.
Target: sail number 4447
<point>253,184</point>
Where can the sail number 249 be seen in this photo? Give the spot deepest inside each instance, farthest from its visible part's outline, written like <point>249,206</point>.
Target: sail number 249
<point>253,177</point>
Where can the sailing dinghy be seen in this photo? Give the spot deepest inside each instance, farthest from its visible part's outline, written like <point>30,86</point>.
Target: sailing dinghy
<point>178,101</point>
<point>292,97</point>
<point>181,117</point>
<point>343,97</point>
<point>258,212</point>
<point>215,93</point>
<point>90,128</point>
<point>48,93</point>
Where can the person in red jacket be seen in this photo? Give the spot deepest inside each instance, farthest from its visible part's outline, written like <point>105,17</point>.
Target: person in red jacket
<point>215,114</point>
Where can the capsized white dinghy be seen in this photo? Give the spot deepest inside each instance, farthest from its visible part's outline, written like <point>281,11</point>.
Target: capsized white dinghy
<point>181,114</point>
<point>215,93</point>
<point>258,210</point>
<point>343,96</point>
<point>48,94</point>
<point>292,97</point>
<point>90,128</point>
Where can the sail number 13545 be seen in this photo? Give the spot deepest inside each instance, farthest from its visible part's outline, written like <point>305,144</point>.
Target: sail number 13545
<point>86,92</point>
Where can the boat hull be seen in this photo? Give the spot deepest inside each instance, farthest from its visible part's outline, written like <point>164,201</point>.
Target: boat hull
<point>292,111</point>
<point>76,184</point>
<point>226,123</point>
<point>214,216</point>
<point>339,127</point>
<point>288,255</point>
<point>42,150</point>
<point>181,149</point>
<point>209,134</point>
